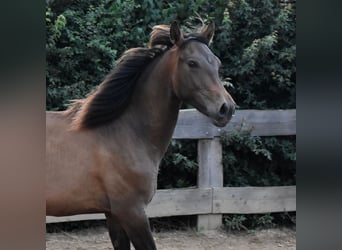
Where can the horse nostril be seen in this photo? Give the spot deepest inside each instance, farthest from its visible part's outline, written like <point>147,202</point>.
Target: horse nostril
<point>234,108</point>
<point>223,110</point>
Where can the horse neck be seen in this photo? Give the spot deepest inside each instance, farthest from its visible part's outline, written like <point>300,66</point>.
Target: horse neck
<point>154,107</point>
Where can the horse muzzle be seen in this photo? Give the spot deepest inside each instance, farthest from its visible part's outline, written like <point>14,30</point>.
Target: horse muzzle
<point>224,114</point>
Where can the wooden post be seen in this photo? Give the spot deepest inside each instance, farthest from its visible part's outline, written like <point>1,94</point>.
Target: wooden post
<point>210,174</point>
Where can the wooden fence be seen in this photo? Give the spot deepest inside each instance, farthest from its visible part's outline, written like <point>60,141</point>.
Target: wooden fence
<point>210,199</point>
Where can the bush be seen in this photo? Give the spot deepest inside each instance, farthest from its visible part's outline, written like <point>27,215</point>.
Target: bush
<point>255,41</point>
<point>250,222</point>
<point>254,161</point>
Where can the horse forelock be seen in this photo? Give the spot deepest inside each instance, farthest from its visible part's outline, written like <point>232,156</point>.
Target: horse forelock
<point>160,35</point>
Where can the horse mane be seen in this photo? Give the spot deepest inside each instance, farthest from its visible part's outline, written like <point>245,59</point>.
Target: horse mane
<point>109,100</point>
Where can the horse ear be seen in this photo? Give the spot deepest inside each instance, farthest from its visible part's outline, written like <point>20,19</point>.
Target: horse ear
<point>176,35</point>
<point>208,32</point>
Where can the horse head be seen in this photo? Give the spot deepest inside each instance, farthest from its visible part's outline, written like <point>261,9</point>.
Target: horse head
<point>196,78</point>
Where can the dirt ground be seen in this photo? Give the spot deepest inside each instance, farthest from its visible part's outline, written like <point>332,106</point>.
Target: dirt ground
<point>97,238</point>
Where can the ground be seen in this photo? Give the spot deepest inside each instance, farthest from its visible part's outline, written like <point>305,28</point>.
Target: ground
<point>97,238</point>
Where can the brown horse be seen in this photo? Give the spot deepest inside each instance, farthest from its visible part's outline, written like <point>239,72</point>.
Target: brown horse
<point>103,153</point>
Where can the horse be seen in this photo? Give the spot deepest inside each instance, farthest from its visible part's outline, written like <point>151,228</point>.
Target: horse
<point>103,152</point>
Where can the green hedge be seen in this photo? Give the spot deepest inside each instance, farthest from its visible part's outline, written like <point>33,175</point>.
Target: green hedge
<point>255,41</point>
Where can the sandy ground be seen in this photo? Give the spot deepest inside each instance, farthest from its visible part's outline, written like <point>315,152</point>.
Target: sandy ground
<point>97,238</point>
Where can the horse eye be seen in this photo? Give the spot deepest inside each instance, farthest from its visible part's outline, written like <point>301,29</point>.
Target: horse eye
<point>192,64</point>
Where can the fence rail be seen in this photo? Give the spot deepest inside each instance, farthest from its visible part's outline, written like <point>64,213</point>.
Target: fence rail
<point>210,199</point>
<point>194,125</point>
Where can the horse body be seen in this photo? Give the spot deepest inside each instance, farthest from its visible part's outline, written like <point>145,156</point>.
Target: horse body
<point>113,168</point>
<point>72,167</point>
